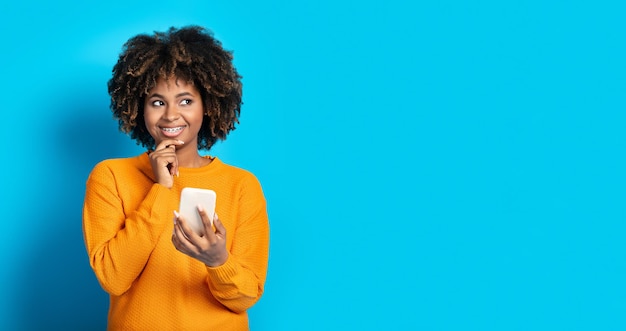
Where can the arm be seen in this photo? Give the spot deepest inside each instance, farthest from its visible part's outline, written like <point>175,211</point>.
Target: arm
<point>119,245</point>
<point>236,277</point>
<point>238,283</point>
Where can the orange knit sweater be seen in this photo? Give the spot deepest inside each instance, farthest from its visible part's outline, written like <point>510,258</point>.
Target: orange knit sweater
<point>127,226</point>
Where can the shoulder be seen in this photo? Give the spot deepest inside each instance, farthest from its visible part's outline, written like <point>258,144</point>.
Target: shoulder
<point>121,165</point>
<point>230,169</point>
<point>236,173</point>
<point>244,185</point>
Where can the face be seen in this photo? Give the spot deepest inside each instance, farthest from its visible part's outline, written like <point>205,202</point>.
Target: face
<point>173,110</point>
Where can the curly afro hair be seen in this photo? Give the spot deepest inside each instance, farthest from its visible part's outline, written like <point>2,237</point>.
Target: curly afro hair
<point>191,54</point>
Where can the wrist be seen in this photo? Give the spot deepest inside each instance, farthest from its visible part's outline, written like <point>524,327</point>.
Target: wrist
<point>218,262</point>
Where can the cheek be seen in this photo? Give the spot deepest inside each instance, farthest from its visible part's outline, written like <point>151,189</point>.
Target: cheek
<point>149,119</point>
<point>198,117</point>
<point>201,118</point>
<point>150,124</point>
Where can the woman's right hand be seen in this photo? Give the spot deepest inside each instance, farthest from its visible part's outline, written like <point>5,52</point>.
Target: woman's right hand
<point>164,162</point>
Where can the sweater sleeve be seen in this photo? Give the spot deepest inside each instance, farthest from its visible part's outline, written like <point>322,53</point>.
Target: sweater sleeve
<point>238,283</point>
<point>119,245</point>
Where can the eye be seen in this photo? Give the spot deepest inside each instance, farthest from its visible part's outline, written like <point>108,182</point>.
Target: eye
<point>157,103</point>
<point>186,102</point>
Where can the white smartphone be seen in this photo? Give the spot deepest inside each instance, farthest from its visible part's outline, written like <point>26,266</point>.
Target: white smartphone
<point>190,198</point>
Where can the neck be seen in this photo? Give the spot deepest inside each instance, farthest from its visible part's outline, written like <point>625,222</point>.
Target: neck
<point>190,158</point>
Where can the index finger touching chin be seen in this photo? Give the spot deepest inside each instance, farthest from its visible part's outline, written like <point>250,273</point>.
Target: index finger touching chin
<point>169,143</point>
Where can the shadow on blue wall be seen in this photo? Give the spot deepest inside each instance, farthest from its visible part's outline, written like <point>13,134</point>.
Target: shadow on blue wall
<point>58,290</point>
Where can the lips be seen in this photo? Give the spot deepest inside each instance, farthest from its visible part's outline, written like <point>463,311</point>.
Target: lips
<point>172,131</point>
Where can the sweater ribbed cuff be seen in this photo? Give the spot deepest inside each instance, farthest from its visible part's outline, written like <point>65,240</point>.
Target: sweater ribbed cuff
<point>224,273</point>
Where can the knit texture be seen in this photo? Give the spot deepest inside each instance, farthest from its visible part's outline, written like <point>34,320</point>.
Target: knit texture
<point>127,227</point>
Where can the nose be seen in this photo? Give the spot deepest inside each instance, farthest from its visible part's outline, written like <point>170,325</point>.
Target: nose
<point>171,113</point>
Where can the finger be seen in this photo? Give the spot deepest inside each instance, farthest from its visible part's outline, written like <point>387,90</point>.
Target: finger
<point>173,167</point>
<point>176,217</point>
<point>166,154</point>
<point>180,234</point>
<point>208,224</point>
<point>182,230</point>
<point>178,239</point>
<point>219,226</point>
<point>169,143</point>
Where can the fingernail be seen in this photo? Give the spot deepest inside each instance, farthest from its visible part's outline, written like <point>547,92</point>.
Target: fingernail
<point>180,141</point>
<point>176,216</point>
<point>200,208</point>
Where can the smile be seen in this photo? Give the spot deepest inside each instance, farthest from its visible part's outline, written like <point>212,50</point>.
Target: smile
<point>172,130</point>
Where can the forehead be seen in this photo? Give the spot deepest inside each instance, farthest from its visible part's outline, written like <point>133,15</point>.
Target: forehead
<point>174,85</point>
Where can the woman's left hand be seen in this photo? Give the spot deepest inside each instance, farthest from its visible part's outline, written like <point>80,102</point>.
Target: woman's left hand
<point>209,247</point>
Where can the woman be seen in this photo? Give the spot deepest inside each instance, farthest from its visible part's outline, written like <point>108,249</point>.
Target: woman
<point>176,93</point>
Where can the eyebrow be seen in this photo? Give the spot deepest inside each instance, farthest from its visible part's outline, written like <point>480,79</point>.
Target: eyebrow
<point>182,94</point>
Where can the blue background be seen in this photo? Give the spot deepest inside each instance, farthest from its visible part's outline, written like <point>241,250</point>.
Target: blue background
<point>443,165</point>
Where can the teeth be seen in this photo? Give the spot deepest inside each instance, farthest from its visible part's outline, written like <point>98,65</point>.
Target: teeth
<point>172,130</point>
